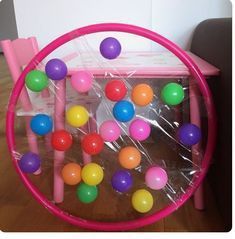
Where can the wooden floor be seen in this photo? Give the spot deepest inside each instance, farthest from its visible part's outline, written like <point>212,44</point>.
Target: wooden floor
<point>20,212</point>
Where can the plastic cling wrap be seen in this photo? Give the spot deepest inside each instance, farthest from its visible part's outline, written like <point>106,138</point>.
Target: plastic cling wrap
<point>110,137</point>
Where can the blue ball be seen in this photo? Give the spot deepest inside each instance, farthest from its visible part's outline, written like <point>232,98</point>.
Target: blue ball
<point>123,111</point>
<point>41,124</point>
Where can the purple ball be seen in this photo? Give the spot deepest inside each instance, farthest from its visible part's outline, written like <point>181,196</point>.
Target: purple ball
<point>56,69</point>
<point>29,162</point>
<point>110,48</point>
<point>122,181</point>
<point>189,134</point>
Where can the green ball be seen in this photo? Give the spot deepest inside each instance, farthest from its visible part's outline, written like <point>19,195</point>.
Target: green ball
<point>87,193</point>
<point>36,80</point>
<point>172,94</point>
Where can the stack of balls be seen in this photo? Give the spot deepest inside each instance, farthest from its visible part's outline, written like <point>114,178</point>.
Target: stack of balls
<point>129,157</point>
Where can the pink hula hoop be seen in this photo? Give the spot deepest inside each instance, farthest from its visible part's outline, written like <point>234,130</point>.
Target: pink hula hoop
<point>124,225</point>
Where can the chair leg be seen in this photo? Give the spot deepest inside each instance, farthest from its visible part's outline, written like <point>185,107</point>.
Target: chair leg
<point>196,149</point>
<point>32,141</point>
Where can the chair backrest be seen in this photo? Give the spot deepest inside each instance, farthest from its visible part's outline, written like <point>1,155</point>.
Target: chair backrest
<point>18,53</point>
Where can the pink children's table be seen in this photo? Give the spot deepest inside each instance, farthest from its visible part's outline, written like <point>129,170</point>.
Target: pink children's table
<point>142,65</point>
<point>156,65</point>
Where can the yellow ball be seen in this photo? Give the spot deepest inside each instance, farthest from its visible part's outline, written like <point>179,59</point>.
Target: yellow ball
<point>142,200</point>
<point>77,116</point>
<point>92,174</point>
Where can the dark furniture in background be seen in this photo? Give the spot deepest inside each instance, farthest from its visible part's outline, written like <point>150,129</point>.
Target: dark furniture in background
<point>212,41</point>
<point>8,29</point>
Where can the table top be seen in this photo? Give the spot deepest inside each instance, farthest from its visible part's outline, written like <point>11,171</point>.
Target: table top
<point>135,64</point>
<point>147,64</point>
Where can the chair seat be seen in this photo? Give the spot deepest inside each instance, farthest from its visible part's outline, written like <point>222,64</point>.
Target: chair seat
<point>46,105</point>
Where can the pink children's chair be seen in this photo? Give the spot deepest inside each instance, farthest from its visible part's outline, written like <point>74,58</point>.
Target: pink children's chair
<point>18,53</point>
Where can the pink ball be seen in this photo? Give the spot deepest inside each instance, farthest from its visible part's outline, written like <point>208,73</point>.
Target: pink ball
<point>139,130</point>
<point>110,131</point>
<point>81,81</point>
<point>156,178</point>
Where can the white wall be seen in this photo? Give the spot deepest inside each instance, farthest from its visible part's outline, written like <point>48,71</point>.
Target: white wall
<point>175,19</point>
<point>49,19</point>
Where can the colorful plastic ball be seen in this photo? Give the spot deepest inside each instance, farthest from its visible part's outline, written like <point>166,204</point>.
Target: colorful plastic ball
<point>41,124</point>
<point>129,157</point>
<point>139,129</point>
<point>81,81</point>
<point>142,201</point>
<point>172,94</point>
<point>56,69</point>
<point>92,144</point>
<point>71,173</point>
<point>77,116</point>
<point>115,90</point>
<point>87,193</point>
<point>122,181</point>
<point>61,140</point>
<point>189,134</point>
<point>142,94</point>
<point>110,131</point>
<point>92,174</point>
<point>36,80</point>
<point>29,162</point>
<point>156,178</point>
<point>123,111</point>
<point>110,48</point>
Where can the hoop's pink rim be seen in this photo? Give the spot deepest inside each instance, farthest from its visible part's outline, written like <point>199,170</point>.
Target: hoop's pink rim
<point>126,225</point>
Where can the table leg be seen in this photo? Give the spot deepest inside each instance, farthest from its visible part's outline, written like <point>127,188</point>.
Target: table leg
<point>93,124</point>
<point>86,158</point>
<point>91,127</point>
<point>59,121</point>
<point>48,142</point>
<point>196,157</point>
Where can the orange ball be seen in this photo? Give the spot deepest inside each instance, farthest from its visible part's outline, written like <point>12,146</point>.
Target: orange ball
<point>129,157</point>
<point>142,94</point>
<point>71,173</point>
